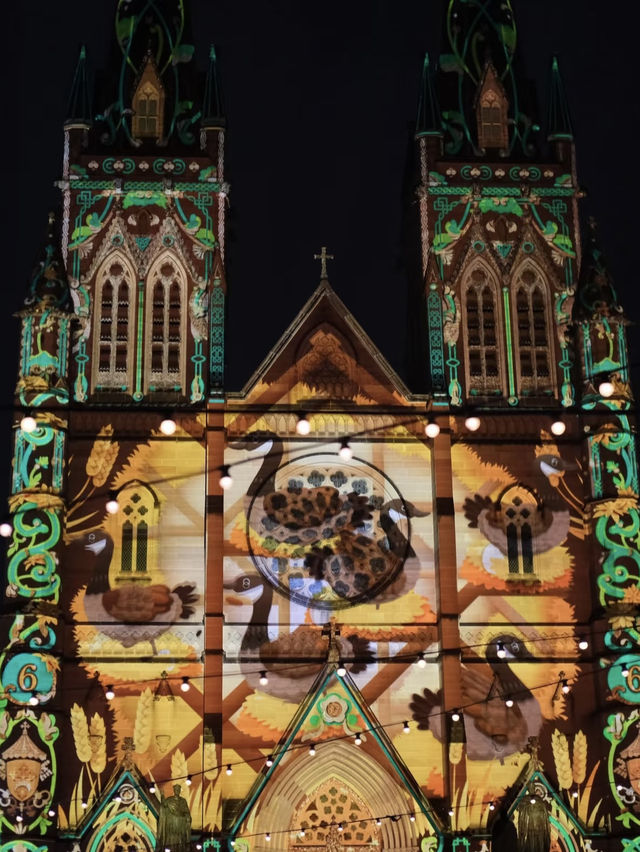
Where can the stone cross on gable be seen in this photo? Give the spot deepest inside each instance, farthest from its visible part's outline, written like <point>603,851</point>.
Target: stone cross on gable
<point>323,257</point>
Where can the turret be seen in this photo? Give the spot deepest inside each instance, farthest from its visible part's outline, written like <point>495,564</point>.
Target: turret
<point>78,121</point>
<point>559,127</point>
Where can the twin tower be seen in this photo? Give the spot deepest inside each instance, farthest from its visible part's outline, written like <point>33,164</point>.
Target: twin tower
<point>334,612</point>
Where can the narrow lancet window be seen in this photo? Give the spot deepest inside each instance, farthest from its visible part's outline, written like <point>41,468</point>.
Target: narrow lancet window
<point>112,351</point>
<point>484,370</point>
<point>166,327</point>
<point>532,337</point>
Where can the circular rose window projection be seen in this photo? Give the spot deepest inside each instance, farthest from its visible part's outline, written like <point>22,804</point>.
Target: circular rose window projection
<point>328,533</point>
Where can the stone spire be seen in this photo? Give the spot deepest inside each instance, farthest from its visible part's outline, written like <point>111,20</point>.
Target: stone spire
<point>79,107</point>
<point>559,121</point>
<point>429,122</point>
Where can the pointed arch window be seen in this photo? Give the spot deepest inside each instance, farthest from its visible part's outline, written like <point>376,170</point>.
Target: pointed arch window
<point>166,326</point>
<point>484,367</point>
<point>139,513</point>
<point>113,334</point>
<point>492,112</point>
<point>148,104</point>
<point>533,340</point>
<point>520,513</point>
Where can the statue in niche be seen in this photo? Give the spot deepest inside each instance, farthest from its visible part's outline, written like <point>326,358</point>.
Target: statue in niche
<point>534,833</point>
<point>174,823</point>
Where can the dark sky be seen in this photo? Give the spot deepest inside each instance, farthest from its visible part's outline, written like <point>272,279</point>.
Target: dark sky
<point>320,100</point>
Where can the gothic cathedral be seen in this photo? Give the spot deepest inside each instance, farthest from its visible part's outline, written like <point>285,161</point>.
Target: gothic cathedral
<point>324,611</point>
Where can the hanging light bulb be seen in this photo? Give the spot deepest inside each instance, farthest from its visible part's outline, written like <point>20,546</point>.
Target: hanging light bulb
<point>450,811</point>
<point>185,686</point>
<point>421,662</point>
<point>431,430</point>
<point>267,837</point>
<point>625,670</point>
<point>263,679</point>
<point>303,427</point>
<point>358,739</point>
<point>51,813</point>
<point>109,693</point>
<point>558,427</point>
<point>492,806</point>
<point>508,702</point>
<point>6,528</point>
<point>339,826</point>
<point>269,760</point>
<point>472,423</point>
<point>19,817</point>
<point>566,689</point>
<point>533,800</point>
<point>112,504</point>
<point>574,795</point>
<point>455,716</point>
<point>341,670</point>
<point>501,651</point>
<point>412,817</point>
<point>312,750</point>
<point>226,481</point>
<point>84,806</point>
<point>28,424</point>
<point>229,770</point>
<point>606,388</point>
<point>302,832</point>
<point>168,426</point>
<point>34,701</point>
<point>583,644</point>
<point>405,727</point>
<point>378,821</point>
<point>188,781</point>
<point>152,788</point>
<point>345,452</point>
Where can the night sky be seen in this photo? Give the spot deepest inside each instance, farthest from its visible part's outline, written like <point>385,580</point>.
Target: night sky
<point>320,100</point>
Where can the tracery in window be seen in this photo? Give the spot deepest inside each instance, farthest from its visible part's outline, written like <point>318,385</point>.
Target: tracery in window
<point>491,112</point>
<point>166,326</point>
<point>521,514</point>
<point>334,804</point>
<point>139,513</point>
<point>532,333</point>
<point>484,369</point>
<point>148,104</point>
<point>114,326</point>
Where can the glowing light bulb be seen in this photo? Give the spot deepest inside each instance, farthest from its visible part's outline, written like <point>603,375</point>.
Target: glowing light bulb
<point>185,686</point>
<point>432,430</point>
<point>152,789</point>
<point>625,670</point>
<point>270,760</point>
<point>558,427</point>
<point>263,680</point>
<point>188,781</point>
<point>303,427</point>
<point>267,837</point>
<point>501,651</point>
<point>358,739</point>
<point>509,702</point>
<point>574,795</point>
<point>226,481</point>
<point>84,806</point>
<point>168,426</point>
<point>412,817</point>
<point>19,817</point>
<point>405,728</point>
<point>312,750</point>
<point>229,770</point>
<point>378,821</point>
<point>112,504</point>
<point>565,687</point>
<point>455,716</point>
<point>51,812</point>
<point>34,701</point>
<point>421,662</point>
<point>339,826</point>
<point>341,670</point>
<point>109,693</point>
<point>472,423</point>
<point>583,644</point>
<point>450,811</point>
<point>6,528</point>
<point>345,452</point>
<point>28,424</point>
<point>492,806</point>
<point>606,388</point>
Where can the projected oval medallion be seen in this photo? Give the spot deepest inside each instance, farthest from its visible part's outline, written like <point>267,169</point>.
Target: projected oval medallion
<point>328,533</point>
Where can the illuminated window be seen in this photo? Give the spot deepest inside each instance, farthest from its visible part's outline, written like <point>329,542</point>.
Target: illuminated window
<point>532,337</point>
<point>139,513</point>
<point>148,104</point>
<point>114,327</point>
<point>166,326</point>
<point>331,805</point>
<point>484,369</point>
<point>492,112</point>
<point>520,513</point>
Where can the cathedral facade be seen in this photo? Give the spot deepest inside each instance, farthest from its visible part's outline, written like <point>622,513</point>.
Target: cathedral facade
<point>325,611</point>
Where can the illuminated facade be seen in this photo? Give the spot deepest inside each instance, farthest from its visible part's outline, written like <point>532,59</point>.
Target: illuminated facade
<point>341,615</point>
